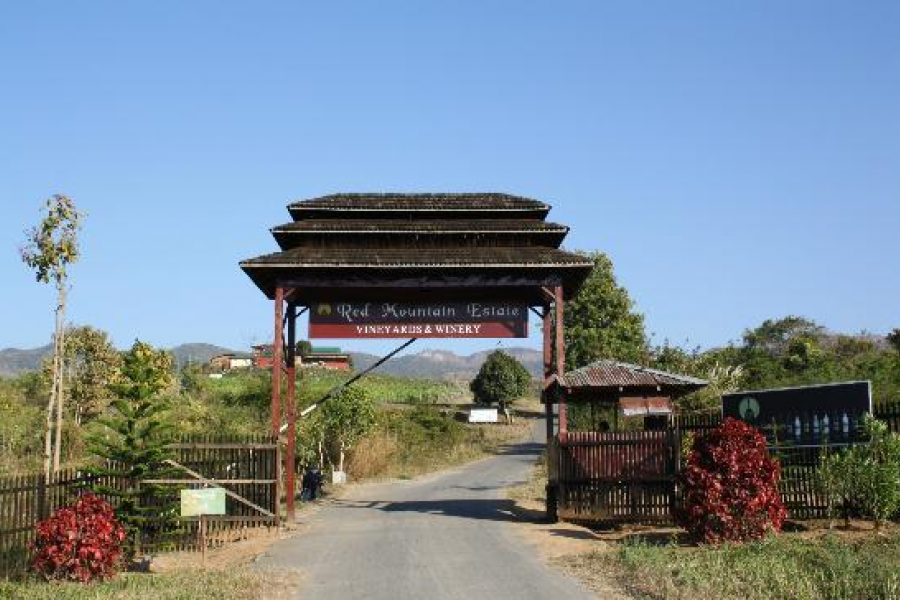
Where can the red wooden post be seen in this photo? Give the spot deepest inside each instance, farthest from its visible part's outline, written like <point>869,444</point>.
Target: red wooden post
<point>277,360</point>
<point>548,371</point>
<point>559,304</point>
<point>291,400</point>
<point>551,507</point>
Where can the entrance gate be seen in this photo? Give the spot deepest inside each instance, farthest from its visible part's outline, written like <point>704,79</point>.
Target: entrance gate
<point>619,476</point>
<point>416,249</point>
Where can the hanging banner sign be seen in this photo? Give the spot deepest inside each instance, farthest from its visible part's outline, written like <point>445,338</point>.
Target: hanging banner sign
<point>332,320</point>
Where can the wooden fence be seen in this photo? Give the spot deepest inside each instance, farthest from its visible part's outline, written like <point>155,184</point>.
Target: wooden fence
<point>615,477</point>
<point>695,422</point>
<point>889,413</point>
<point>247,466</point>
<point>799,473</point>
<point>632,477</point>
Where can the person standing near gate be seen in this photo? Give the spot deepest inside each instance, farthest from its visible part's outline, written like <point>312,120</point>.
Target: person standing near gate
<point>311,484</point>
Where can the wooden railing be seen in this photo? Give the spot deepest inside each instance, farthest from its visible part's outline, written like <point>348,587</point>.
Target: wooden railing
<point>247,466</point>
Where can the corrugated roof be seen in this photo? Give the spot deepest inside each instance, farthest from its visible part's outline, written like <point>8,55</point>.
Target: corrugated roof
<point>419,201</point>
<point>613,374</point>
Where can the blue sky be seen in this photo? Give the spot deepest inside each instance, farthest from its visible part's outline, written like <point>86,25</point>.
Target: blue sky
<point>737,160</point>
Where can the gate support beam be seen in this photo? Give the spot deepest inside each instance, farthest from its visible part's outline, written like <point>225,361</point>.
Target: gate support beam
<point>277,347</point>
<point>559,304</point>
<point>547,397</point>
<point>290,409</point>
<point>554,347</point>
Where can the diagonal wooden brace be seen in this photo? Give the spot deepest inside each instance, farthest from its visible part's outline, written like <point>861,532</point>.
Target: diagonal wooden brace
<point>212,483</point>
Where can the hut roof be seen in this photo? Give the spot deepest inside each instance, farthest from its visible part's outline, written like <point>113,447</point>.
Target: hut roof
<point>609,374</point>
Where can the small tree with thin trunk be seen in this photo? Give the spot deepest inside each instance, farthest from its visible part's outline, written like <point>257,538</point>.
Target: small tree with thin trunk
<point>893,339</point>
<point>347,417</point>
<point>49,249</point>
<point>92,364</point>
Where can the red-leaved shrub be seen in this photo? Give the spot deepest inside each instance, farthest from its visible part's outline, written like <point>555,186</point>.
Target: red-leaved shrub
<point>79,542</point>
<point>730,486</point>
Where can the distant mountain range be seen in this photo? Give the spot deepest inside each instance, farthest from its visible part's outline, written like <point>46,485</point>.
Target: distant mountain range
<point>441,364</point>
<point>427,364</point>
<point>14,361</point>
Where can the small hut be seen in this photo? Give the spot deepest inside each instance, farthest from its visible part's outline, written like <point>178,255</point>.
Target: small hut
<point>612,388</point>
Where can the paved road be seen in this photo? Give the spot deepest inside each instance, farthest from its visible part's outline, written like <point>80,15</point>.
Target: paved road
<point>448,536</point>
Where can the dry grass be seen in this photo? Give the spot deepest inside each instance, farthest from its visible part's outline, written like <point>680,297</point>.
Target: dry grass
<point>478,441</point>
<point>373,456</point>
<point>412,443</point>
<point>532,495</point>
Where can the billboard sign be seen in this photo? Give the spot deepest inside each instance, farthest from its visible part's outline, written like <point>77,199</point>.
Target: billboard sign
<point>807,414</point>
<point>331,320</point>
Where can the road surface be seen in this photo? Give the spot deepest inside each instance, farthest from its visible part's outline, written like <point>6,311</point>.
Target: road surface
<point>446,536</point>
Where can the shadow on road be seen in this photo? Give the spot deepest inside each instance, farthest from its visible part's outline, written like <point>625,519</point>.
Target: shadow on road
<point>521,449</point>
<point>475,508</point>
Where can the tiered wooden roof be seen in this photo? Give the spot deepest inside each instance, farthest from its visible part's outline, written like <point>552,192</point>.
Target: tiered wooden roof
<point>403,246</point>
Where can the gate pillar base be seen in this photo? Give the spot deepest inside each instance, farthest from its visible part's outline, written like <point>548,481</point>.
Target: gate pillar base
<point>552,515</point>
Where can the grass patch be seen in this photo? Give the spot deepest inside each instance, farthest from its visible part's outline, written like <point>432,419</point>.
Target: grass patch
<point>239,584</point>
<point>782,567</point>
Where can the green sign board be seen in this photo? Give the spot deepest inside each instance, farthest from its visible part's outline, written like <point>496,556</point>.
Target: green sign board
<point>208,501</point>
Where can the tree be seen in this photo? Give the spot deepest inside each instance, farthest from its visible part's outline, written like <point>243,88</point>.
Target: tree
<point>136,443</point>
<point>775,335</point>
<point>310,440</point>
<point>893,339</point>
<point>49,249</point>
<point>347,417</point>
<point>92,364</point>
<point>600,322</point>
<point>501,380</point>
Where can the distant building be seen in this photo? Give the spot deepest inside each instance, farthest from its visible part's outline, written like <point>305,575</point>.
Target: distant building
<point>327,358</point>
<point>323,358</point>
<point>229,361</point>
<point>262,356</point>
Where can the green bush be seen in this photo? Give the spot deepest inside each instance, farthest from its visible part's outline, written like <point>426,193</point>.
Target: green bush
<point>866,478</point>
<point>21,428</point>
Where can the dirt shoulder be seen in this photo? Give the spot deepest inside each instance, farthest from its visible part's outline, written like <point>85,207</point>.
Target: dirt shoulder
<point>562,545</point>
